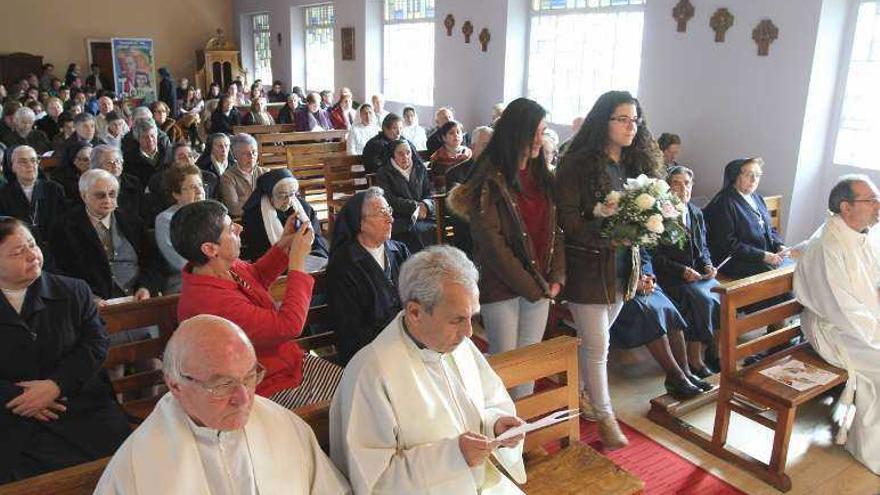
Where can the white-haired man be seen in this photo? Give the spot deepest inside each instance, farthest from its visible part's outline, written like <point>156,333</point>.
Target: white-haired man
<point>418,408</point>
<point>210,434</point>
<point>837,281</point>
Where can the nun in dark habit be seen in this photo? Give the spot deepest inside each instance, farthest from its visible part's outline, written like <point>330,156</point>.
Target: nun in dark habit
<point>275,198</point>
<point>362,272</point>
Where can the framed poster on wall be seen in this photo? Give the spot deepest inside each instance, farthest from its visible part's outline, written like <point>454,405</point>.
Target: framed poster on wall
<point>134,68</point>
<point>347,35</point>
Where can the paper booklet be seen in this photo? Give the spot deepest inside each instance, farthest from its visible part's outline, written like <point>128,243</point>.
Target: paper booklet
<point>798,375</point>
<point>549,420</point>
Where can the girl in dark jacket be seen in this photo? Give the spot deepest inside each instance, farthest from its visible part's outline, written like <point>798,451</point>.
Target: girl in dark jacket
<point>613,144</point>
<point>517,245</point>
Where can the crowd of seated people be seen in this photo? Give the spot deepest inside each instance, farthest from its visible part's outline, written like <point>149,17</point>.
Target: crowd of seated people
<point>526,223</point>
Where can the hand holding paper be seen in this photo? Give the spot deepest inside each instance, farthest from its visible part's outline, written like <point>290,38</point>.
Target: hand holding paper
<point>549,420</point>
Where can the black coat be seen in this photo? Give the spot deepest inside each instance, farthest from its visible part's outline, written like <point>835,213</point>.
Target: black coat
<point>434,142</point>
<point>46,206</point>
<point>130,145</point>
<point>88,260</point>
<point>136,164</point>
<point>404,196</point>
<point>255,242</point>
<point>168,95</point>
<point>59,337</point>
<point>362,297</point>
<point>49,126</point>
<point>378,151</point>
<point>734,229</point>
<point>670,261</point>
<point>224,123</point>
<point>36,139</point>
<point>286,115</point>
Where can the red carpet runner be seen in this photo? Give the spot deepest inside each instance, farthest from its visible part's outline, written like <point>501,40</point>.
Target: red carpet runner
<point>663,471</point>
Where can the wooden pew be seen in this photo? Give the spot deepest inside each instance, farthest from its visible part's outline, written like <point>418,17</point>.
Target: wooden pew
<point>273,146</point>
<point>343,177</point>
<point>576,468</point>
<point>743,389</point>
<point>253,130</point>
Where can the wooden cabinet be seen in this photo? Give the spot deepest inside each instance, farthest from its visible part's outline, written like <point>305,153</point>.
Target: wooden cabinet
<point>219,61</point>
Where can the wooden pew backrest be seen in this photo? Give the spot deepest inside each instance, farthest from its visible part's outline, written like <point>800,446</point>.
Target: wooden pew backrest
<point>159,311</point>
<point>542,360</point>
<point>774,207</point>
<point>273,146</point>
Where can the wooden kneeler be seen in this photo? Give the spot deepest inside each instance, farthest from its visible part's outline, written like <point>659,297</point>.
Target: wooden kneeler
<point>745,390</point>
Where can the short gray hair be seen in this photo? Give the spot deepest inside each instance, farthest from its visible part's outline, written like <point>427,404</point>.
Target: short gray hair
<point>242,139</point>
<point>24,113</point>
<point>424,274</point>
<point>140,126</point>
<point>842,191</point>
<point>370,193</point>
<point>141,113</point>
<point>98,152</point>
<point>680,169</point>
<point>479,132</point>
<point>91,177</point>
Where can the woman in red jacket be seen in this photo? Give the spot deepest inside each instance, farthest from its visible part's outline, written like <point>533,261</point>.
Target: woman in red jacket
<point>216,282</point>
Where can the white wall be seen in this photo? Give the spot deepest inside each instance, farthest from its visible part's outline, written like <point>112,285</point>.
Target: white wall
<point>721,98</point>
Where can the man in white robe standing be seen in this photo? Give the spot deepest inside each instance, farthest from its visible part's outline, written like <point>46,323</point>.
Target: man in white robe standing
<point>418,409</point>
<point>837,281</point>
<point>210,435</point>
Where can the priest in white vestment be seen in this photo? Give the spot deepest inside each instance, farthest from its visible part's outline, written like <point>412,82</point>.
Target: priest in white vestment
<point>837,281</point>
<point>210,435</point>
<point>418,409</point>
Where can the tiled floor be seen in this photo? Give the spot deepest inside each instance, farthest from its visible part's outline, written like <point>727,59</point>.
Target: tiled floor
<point>815,464</point>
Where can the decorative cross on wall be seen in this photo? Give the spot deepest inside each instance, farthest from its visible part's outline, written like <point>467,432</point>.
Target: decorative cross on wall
<point>765,33</point>
<point>683,12</point>
<point>720,22</point>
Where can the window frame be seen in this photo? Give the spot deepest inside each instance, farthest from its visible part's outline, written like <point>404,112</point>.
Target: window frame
<point>431,21</point>
<point>254,33</point>
<point>845,61</point>
<point>306,29</point>
<point>533,13</point>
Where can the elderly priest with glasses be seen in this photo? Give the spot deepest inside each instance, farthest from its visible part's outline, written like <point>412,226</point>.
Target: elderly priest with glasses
<point>418,409</point>
<point>838,281</point>
<point>211,435</point>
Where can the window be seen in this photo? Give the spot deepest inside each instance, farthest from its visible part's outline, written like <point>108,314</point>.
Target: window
<point>262,48</point>
<point>319,47</point>
<point>579,49</point>
<point>408,60</point>
<point>859,128</point>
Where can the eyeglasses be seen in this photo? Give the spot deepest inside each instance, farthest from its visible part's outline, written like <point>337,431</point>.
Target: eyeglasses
<point>30,161</point>
<point>282,195</point>
<point>105,194</point>
<point>875,200</point>
<point>386,211</point>
<point>624,120</point>
<point>82,159</point>
<point>113,161</point>
<point>752,175</point>
<point>194,187</point>
<point>223,388</point>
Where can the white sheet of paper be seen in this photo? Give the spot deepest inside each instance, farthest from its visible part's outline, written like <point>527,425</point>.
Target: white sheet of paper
<point>549,420</point>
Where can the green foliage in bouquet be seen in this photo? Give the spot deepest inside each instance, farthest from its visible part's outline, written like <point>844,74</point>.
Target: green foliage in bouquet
<point>645,214</point>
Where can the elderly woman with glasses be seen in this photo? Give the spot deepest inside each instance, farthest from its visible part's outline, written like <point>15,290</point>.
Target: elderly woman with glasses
<point>273,201</point>
<point>739,224</point>
<point>217,282</point>
<point>184,184</point>
<point>109,158</point>
<point>363,271</point>
<point>58,407</point>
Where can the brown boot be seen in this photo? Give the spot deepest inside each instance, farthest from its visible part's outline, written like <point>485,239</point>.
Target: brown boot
<point>587,412</point>
<point>610,434</point>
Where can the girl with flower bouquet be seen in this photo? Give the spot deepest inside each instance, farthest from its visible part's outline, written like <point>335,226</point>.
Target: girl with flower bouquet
<point>613,144</point>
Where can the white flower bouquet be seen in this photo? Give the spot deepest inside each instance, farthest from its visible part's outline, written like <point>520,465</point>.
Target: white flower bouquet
<point>645,214</point>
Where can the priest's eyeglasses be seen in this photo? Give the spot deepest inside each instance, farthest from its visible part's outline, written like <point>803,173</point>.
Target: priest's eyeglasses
<point>222,388</point>
<point>875,200</point>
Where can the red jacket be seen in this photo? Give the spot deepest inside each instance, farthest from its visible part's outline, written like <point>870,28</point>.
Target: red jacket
<point>270,329</point>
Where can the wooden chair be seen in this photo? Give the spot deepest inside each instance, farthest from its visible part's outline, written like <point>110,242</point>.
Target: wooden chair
<point>343,177</point>
<point>576,468</point>
<point>159,311</point>
<point>306,162</point>
<point>774,206</point>
<point>745,390</point>
<point>49,162</point>
<point>75,480</point>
